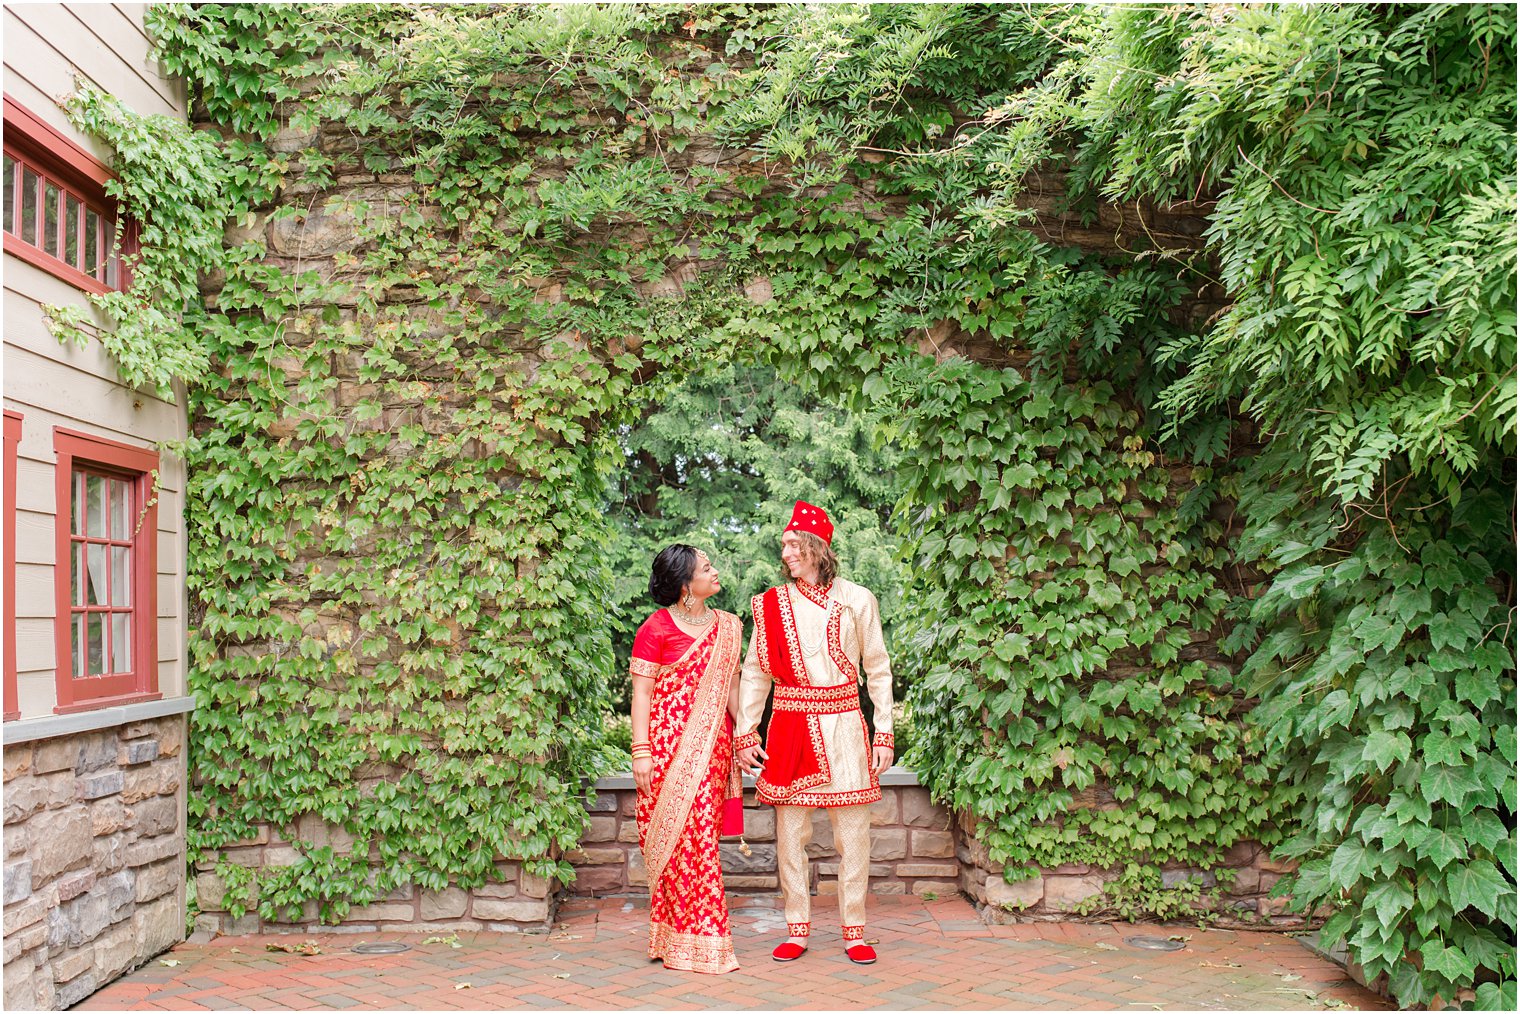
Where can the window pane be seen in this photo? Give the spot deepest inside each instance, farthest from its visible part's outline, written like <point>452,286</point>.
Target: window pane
<point>121,642</point>
<point>96,591</point>
<point>121,576</point>
<point>76,514</point>
<point>76,573</point>
<point>78,639</point>
<point>91,241</point>
<point>95,506</point>
<point>10,194</point>
<point>96,624</point>
<point>107,270</point>
<point>52,199</point>
<point>71,231</point>
<point>113,271</point>
<point>121,509</point>
<point>29,183</point>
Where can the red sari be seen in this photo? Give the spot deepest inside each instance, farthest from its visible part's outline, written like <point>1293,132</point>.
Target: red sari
<point>691,737</point>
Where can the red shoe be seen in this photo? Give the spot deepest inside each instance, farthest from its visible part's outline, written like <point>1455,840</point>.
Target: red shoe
<point>861,954</point>
<point>788,951</point>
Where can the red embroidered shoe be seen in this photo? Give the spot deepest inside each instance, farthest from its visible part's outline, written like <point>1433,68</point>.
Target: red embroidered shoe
<point>788,951</point>
<point>861,954</point>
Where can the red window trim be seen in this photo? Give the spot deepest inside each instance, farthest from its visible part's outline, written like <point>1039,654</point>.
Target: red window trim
<point>12,444</point>
<point>142,683</point>
<point>29,137</point>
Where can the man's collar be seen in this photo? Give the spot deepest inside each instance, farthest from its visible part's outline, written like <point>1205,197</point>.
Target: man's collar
<point>816,594</point>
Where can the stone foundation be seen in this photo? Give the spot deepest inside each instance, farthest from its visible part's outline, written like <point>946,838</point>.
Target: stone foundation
<point>1248,874</point>
<point>94,858</point>
<point>518,902</point>
<point>912,845</point>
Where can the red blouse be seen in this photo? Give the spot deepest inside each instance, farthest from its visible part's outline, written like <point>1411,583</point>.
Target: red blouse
<point>658,642</point>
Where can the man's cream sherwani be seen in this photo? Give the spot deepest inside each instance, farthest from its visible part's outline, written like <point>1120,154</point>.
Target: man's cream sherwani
<point>839,646</point>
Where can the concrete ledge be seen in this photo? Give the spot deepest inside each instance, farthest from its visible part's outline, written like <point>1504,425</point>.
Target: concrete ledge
<point>27,730</point>
<point>894,775</point>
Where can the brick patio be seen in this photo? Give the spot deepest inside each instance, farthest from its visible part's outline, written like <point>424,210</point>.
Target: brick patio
<point>934,954</point>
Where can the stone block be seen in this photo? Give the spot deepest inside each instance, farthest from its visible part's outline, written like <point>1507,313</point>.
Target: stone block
<point>137,751</point>
<point>1177,878</point>
<point>531,886</point>
<point>160,924</point>
<point>21,982</point>
<point>318,233</point>
<point>599,829</point>
<point>210,892</point>
<point>159,879</point>
<point>758,290</point>
<point>605,802</point>
<point>944,871</point>
<point>821,842</point>
<point>76,990</point>
<point>281,855</point>
<point>1269,865</point>
<point>1023,894</point>
<point>593,879</point>
<point>874,870</point>
<point>920,811</point>
<point>110,852</point>
<point>109,815</point>
<point>760,824</point>
<point>888,810</point>
<point>1247,881</point>
<point>933,844</point>
<point>1242,853</point>
<point>1064,894</point>
<point>877,887</point>
<point>97,750</point>
<point>385,911</point>
<point>19,760</point>
<point>628,805</point>
<point>522,910</point>
<point>120,892</point>
<point>18,881</point>
<point>137,730</point>
<point>402,892</point>
<point>61,840</point>
<point>830,888</point>
<point>26,796</point>
<point>17,840</point>
<point>312,828</point>
<point>937,888</point>
<point>29,939</point>
<point>628,832</point>
<point>55,755</point>
<point>891,843</point>
<point>495,890</point>
<point>750,882</point>
<point>159,815</point>
<point>171,736</point>
<point>762,859</point>
<point>72,964</point>
<point>153,849</point>
<point>72,885</point>
<point>85,918</point>
<point>594,857</point>
<point>449,903</point>
<point>114,951</point>
<point>27,913</point>
<point>638,873</point>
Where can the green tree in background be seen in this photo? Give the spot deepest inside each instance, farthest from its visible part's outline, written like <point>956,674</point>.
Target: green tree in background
<point>718,464</point>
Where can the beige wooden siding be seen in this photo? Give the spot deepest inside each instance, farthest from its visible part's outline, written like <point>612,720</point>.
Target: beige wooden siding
<point>50,384</point>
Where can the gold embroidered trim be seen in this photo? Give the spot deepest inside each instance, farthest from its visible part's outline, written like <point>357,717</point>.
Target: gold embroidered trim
<point>834,700</point>
<point>837,654</point>
<point>854,932</point>
<point>644,667</point>
<point>746,741</point>
<point>824,799</point>
<point>689,952</point>
<point>883,739</point>
<point>816,594</point>
<point>799,929</point>
<point>693,754</point>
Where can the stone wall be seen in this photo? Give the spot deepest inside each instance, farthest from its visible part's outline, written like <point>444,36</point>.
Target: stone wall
<point>94,858</point>
<point>912,845</point>
<point>519,901</point>
<point>1059,892</point>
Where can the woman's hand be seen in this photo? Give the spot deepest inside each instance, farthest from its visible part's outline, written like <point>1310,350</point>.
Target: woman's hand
<point>643,775</point>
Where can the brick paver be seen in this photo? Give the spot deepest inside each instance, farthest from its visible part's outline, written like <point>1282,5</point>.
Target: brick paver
<point>933,955</point>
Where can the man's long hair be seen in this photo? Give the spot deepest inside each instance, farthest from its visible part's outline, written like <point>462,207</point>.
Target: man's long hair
<point>815,550</point>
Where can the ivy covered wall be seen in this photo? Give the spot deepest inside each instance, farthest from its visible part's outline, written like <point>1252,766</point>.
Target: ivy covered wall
<point>1212,438</point>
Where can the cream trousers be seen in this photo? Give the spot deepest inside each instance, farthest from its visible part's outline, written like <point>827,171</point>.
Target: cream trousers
<point>852,840</point>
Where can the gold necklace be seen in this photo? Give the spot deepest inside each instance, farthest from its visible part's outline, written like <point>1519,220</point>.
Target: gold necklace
<point>705,620</point>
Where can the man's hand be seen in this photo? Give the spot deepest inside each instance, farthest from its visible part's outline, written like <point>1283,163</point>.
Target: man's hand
<point>750,758</point>
<point>881,759</point>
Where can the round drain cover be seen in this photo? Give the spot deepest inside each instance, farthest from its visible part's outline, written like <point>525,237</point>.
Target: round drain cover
<point>382,947</point>
<point>1155,943</point>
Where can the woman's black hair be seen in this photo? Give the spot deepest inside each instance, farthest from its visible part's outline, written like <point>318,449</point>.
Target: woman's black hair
<point>672,571</point>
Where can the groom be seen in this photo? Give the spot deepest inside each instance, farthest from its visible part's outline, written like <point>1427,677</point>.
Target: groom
<point>814,638</point>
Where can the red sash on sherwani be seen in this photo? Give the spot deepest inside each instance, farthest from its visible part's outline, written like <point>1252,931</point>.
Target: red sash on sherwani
<point>796,760</point>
